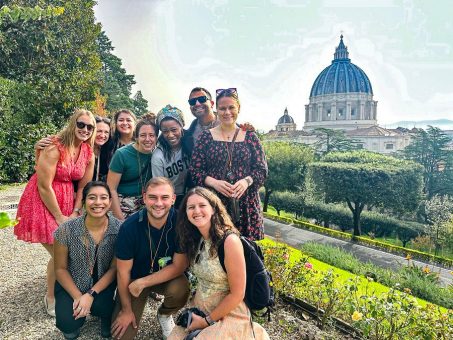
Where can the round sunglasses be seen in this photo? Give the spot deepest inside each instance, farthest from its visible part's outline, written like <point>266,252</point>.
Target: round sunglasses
<point>82,125</point>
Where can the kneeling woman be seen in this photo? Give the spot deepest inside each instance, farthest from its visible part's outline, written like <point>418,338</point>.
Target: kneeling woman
<point>84,264</point>
<point>219,294</point>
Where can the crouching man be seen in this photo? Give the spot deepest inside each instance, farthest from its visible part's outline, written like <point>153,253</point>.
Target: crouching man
<point>149,261</point>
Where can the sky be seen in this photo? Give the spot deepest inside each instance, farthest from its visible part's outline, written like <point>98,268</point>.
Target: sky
<point>273,50</point>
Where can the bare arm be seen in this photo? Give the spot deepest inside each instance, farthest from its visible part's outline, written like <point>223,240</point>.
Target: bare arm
<point>173,270</point>
<point>88,176</point>
<point>236,273</point>
<point>113,180</point>
<point>125,317</point>
<point>45,171</point>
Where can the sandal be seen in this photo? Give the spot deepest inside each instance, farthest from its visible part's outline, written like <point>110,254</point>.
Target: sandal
<point>50,307</point>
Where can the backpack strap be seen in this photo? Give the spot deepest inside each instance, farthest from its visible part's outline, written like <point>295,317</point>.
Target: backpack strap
<point>221,250</point>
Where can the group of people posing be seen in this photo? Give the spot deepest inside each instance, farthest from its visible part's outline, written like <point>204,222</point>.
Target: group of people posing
<point>126,212</point>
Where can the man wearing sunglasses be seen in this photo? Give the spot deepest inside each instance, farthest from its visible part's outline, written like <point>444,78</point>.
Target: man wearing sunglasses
<point>202,107</point>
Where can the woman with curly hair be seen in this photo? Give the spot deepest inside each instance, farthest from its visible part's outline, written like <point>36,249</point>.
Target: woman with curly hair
<point>203,224</point>
<point>48,198</point>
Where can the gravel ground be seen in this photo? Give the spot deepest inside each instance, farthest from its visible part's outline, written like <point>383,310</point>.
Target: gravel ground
<point>22,287</point>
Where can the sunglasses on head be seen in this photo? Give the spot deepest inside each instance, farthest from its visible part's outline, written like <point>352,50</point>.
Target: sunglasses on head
<point>201,100</point>
<point>231,90</point>
<point>81,125</point>
<point>102,119</point>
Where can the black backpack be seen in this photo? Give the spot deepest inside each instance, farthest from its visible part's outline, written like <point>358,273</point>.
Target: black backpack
<point>259,291</point>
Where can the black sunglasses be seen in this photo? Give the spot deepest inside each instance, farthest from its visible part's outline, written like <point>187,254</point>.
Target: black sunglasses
<point>102,119</point>
<point>81,125</point>
<point>201,100</point>
<point>200,249</point>
<point>231,90</point>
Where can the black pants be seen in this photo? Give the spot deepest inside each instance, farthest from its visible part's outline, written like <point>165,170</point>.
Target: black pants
<point>102,306</point>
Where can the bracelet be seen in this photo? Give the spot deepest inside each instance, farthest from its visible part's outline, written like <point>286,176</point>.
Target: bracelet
<point>249,180</point>
<point>209,320</point>
<point>77,210</point>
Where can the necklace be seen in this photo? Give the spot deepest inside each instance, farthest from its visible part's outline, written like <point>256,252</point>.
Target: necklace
<point>228,135</point>
<point>142,181</point>
<point>151,246</point>
<point>96,251</point>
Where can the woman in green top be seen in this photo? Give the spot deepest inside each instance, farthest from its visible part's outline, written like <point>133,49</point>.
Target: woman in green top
<point>130,169</point>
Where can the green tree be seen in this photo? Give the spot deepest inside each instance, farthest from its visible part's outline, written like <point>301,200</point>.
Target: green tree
<point>329,140</point>
<point>438,211</point>
<point>117,84</point>
<point>429,148</point>
<point>140,104</point>
<point>360,178</point>
<point>287,163</point>
<point>54,58</point>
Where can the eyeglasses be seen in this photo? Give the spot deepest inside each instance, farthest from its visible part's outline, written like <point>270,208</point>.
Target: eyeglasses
<point>102,119</point>
<point>201,100</point>
<point>231,90</point>
<point>81,125</point>
<point>200,249</point>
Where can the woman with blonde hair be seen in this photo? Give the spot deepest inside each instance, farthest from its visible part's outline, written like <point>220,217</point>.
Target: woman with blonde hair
<point>48,198</point>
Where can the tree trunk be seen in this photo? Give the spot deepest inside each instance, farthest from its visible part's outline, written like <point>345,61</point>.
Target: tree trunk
<point>356,210</point>
<point>267,194</point>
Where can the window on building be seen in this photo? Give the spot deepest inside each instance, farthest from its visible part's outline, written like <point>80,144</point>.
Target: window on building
<point>352,112</point>
<point>389,146</point>
<point>359,146</point>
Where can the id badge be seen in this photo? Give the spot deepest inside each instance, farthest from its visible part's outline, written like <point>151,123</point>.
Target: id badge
<point>163,261</point>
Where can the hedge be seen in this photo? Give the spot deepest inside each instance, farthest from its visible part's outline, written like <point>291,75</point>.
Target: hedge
<point>446,262</point>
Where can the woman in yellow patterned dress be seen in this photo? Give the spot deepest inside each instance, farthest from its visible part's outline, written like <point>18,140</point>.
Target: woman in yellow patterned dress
<point>220,294</point>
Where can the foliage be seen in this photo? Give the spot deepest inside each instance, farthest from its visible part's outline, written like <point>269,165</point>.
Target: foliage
<point>378,314</point>
<point>329,140</point>
<point>287,163</point>
<point>117,84</point>
<point>6,221</point>
<point>55,60</point>
<point>438,212</point>
<point>365,241</point>
<point>14,13</point>
<point>429,148</point>
<point>140,104</point>
<point>17,154</point>
<point>421,281</point>
<point>361,178</point>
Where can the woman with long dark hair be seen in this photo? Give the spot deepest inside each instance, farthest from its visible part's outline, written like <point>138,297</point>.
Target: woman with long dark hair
<point>203,223</point>
<point>84,263</point>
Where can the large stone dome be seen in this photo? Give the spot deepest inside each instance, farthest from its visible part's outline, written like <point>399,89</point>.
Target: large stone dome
<point>341,76</point>
<point>286,118</point>
<point>341,96</point>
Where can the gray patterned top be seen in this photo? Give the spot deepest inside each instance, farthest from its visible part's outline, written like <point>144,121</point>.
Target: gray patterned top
<point>75,236</point>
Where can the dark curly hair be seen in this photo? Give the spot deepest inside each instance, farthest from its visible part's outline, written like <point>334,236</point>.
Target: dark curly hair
<point>189,235</point>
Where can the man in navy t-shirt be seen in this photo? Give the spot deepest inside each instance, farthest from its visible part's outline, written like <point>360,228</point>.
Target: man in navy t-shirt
<point>149,260</point>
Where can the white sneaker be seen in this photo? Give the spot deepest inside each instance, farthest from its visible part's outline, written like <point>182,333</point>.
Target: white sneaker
<point>50,307</point>
<point>166,323</point>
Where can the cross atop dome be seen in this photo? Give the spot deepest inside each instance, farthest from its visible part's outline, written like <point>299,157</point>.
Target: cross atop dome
<point>341,52</point>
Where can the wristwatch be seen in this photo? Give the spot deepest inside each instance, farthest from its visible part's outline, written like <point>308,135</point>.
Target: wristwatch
<point>209,320</point>
<point>92,292</point>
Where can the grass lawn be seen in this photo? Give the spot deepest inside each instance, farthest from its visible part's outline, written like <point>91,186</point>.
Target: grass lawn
<point>374,287</point>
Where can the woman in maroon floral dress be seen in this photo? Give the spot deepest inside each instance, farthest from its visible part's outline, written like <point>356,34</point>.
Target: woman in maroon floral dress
<point>232,162</point>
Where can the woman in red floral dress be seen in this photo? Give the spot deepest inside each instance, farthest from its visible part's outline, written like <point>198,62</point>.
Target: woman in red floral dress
<point>232,162</point>
<point>48,198</point>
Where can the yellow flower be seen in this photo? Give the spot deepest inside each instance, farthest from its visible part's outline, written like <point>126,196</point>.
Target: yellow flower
<point>426,270</point>
<point>407,290</point>
<point>408,257</point>
<point>356,316</point>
